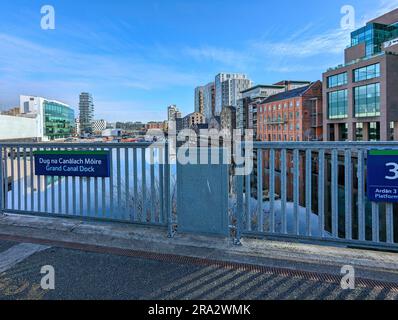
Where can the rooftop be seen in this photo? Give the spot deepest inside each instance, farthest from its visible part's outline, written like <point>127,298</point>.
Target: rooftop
<point>263,86</point>
<point>288,94</point>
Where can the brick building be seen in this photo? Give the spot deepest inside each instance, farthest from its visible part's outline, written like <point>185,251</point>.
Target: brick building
<point>294,115</point>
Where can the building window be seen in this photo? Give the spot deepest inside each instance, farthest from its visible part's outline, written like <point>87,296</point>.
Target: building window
<point>343,130</point>
<point>338,104</point>
<point>367,100</point>
<point>337,80</point>
<point>374,131</point>
<point>367,73</point>
<point>359,132</point>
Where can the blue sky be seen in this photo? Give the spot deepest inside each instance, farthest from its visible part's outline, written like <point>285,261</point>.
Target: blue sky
<point>138,57</point>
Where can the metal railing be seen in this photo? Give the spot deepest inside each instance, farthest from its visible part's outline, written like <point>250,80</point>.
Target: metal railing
<point>314,191</point>
<point>308,191</point>
<point>137,191</point>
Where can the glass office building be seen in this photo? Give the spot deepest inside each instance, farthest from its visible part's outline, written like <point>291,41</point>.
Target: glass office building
<point>360,96</point>
<point>59,120</point>
<point>374,35</point>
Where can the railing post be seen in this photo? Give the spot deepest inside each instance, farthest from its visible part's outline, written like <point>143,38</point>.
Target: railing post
<point>239,210</point>
<point>170,231</point>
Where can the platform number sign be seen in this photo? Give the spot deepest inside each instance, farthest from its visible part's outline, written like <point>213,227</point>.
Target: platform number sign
<point>382,177</point>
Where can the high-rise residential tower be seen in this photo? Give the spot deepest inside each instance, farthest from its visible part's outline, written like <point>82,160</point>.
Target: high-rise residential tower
<point>228,88</point>
<point>86,109</point>
<point>209,100</point>
<point>173,113</point>
<point>199,99</point>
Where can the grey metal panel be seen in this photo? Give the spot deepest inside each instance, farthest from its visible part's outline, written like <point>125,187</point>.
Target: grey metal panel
<point>196,182</point>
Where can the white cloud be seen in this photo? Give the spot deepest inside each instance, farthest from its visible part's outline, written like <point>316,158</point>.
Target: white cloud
<point>20,59</point>
<point>221,55</point>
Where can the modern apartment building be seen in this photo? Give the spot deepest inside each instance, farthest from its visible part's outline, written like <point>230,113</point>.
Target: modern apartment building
<point>209,100</point>
<point>86,109</point>
<point>199,99</point>
<point>360,98</point>
<point>294,115</point>
<point>55,120</point>
<point>173,113</point>
<point>228,88</point>
<point>246,109</point>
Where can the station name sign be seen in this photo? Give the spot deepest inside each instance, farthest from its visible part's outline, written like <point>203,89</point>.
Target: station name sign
<point>72,163</point>
<point>382,168</point>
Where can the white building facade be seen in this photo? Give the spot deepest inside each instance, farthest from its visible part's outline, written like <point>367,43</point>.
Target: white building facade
<point>55,120</point>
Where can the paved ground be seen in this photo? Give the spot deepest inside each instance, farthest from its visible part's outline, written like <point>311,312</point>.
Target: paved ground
<point>88,275</point>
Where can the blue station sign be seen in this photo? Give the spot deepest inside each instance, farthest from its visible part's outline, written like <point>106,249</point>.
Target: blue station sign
<point>72,163</point>
<point>382,177</point>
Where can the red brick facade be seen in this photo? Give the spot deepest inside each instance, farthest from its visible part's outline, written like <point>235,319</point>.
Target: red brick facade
<point>295,115</point>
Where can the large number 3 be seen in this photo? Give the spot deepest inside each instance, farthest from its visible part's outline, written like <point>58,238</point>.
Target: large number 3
<point>393,171</point>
